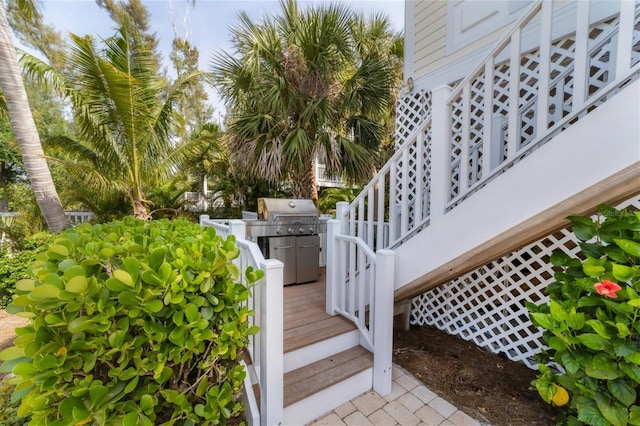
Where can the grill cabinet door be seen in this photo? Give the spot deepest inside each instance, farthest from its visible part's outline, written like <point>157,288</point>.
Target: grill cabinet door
<point>308,258</point>
<point>284,249</point>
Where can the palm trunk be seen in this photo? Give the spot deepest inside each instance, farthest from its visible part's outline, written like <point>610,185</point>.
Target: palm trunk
<point>26,133</point>
<point>304,183</point>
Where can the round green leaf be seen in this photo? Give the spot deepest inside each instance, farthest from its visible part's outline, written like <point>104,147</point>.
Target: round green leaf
<point>44,291</point>
<point>77,284</point>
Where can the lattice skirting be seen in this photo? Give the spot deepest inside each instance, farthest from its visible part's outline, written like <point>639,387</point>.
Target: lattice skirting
<point>486,306</point>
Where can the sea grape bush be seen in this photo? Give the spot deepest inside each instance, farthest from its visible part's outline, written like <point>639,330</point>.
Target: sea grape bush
<point>132,323</point>
<point>592,326</point>
<point>14,264</point>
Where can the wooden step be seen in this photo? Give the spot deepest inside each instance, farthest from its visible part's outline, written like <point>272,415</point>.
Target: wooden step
<point>313,378</point>
<point>315,330</point>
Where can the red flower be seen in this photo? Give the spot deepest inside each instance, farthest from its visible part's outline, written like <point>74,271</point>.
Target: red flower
<point>607,288</point>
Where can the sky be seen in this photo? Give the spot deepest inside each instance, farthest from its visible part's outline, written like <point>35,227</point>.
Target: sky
<point>206,24</point>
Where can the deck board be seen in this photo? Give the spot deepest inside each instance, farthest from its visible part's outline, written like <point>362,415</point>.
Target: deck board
<point>313,378</point>
<point>305,319</point>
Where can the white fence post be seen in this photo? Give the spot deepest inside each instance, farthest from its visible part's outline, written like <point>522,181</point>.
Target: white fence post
<point>341,209</point>
<point>271,344</point>
<point>440,152</point>
<point>203,218</point>
<point>238,228</point>
<point>383,321</point>
<point>333,228</point>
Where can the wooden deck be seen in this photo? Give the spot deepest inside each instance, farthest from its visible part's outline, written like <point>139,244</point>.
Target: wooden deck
<point>305,323</point>
<point>305,318</point>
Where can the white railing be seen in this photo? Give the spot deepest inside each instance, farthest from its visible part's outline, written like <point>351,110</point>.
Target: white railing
<point>536,82</point>
<point>396,201</point>
<point>267,303</point>
<point>75,218</point>
<point>523,94</point>
<point>360,287</point>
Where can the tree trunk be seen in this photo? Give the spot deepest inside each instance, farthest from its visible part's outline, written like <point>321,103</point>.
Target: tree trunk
<point>304,183</point>
<point>26,133</point>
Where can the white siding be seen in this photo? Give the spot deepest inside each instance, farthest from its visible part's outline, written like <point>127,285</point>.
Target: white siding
<point>430,33</point>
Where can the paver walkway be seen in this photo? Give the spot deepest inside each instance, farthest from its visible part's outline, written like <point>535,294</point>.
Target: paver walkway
<point>409,403</point>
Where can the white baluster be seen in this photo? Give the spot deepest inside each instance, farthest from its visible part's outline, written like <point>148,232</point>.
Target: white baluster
<point>514,96</point>
<point>546,15</point>
<point>440,152</point>
<point>625,37</point>
<point>580,76</point>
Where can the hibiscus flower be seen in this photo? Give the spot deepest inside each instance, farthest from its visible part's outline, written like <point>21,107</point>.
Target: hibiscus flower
<point>607,288</point>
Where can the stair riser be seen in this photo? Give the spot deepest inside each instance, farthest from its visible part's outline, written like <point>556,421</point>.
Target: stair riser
<point>308,409</point>
<point>310,354</point>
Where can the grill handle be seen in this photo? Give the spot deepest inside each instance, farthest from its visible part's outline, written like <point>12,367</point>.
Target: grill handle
<point>283,247</point>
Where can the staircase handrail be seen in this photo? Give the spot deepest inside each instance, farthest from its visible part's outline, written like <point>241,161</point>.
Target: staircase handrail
<point>516,26</point>
<point>394,158</point>
<point>360,286</point>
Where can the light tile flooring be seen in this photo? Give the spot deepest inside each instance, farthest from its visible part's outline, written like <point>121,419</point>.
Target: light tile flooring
<point>409,403</point>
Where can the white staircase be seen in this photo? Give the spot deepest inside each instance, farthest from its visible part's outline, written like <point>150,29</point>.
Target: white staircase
<point>546,126</point>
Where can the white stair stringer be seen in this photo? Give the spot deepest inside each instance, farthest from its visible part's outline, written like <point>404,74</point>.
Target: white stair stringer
<point>309,354</point>
<point>587,153</point>
<point>316,405</point>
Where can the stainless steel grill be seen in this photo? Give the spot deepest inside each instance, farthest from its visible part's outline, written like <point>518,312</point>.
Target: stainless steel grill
<point>287,230</point>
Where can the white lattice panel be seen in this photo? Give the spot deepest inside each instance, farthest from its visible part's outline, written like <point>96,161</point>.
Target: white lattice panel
<point>411,110</point>
<point>486,306</point>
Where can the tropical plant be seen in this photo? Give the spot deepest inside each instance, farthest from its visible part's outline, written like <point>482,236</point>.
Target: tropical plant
<point>14,263</point>
<point>301,85</point>
<point>592,324</point>
<point>132,323</point>
<point>24,128</point>
<point>123,122</point>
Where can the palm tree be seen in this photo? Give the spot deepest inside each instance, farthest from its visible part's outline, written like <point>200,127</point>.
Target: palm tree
<point>300,85</point>
<point>124,117</point>
<point>25,131</point>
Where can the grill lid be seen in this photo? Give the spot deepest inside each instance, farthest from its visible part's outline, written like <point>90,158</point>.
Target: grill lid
<point>285,206</point>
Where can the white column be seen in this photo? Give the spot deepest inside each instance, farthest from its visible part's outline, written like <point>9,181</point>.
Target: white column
<point>341,209</point>
<point>440,152</point>
<point>238,228</point>
<point>333,228</point>
<point>625,37</point>
<point>271,344</point>
<point>383,322</point>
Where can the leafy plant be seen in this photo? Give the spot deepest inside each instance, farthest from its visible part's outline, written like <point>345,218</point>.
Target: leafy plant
<point>9,407</point>
<point>591,323</point>
<point>134,323</point>
<point>13,265</point>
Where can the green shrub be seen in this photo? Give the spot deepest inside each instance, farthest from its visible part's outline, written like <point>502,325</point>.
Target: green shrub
<point>9,408</point>
<point>592,324</point>
<point>131,323</point>
<point>13,266</point>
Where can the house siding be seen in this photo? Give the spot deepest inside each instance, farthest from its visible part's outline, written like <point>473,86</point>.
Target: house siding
<point>430,34</point>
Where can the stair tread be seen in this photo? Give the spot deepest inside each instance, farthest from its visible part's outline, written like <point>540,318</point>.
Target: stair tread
<point>312,378</point>
<point>308,334</point>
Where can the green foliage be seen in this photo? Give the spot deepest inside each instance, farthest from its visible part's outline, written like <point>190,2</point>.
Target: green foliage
<point>132,322</point>
<point>13,266</point>
<point>591,322</point>
<point>9,407</point>
<point>310,81</point>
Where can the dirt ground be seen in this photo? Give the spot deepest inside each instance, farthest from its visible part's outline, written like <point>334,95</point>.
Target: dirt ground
<point>483,385</point>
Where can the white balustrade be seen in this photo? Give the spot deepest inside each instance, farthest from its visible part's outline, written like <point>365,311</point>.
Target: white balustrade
<point>538,80</point>
<point>360,285</point>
